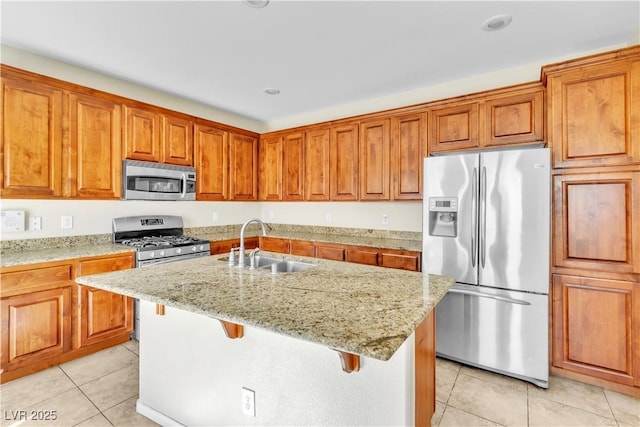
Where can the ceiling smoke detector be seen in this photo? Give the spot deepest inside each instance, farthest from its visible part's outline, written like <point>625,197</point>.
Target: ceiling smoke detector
<point>258,4</point>
<point>271,91</point>
<point>496,23</point>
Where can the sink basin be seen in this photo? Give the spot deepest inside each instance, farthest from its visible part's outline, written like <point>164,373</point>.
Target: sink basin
<point>264,261</point>
<point>288,266</point>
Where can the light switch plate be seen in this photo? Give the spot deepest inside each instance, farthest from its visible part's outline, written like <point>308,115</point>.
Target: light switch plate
<point>11,221</point>
<point>66,221</point>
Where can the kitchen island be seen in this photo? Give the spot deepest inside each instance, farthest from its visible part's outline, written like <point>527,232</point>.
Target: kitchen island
<point>289,338</point>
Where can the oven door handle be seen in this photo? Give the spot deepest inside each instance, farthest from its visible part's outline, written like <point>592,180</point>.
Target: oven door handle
<point>183,193</point>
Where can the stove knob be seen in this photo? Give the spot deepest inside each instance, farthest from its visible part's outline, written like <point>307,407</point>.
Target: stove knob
<point>202,247</point>
<point>161,253</point>
<point>152,254</point>
<point>193,248</point>
<point>178,251</point>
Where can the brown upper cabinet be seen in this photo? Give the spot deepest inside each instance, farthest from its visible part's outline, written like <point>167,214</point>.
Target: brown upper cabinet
<point>375,148</point>
<point>506,116</point>
<point>408,149</point>
<point>293,166</point>
<point>154,137</point>
<point>592,111</point>
<point>270,187</point>
<point>344,162</point>
<point>31,139</point>
<point>211,152</point>
<point>94,157</point>
<point>243,164</point>
<point>316,164</point>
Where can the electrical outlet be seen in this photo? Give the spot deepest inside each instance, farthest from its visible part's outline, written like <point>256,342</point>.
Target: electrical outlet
<point>385,219</point>
<point>271,214</point>
<point>215,216</point>
<point>248,402</point>
<point>35,223</point>
<point>66,221</point>
<point>327,216</point>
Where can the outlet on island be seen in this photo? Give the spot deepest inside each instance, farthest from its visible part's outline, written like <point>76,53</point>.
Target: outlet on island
<point>248,402</point>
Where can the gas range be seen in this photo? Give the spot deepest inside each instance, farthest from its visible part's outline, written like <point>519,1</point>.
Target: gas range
<point>157,239</point>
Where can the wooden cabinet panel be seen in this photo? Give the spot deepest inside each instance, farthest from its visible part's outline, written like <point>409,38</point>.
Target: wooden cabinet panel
<point>302,248</point>
<point>593,115</point>
<point>103,315</point>
<point>361,256</point>
<point>293,166</point>
<point>597,221</point>
<point>243,163</point>
<point>177,140</point>
<point>211,148</point>
<point>514,119</point>
<point>344,162</point>
<point>454,128</point>
<point>31,142</point>
<point>408,143</point>
<point>595,327</point>
<point>274,244</point>
<point>329,251</point>
<point>224,246</point>
<point>106,264</point>
<point>31,280</point>
<point>270,185</point>
<point>94,158</point>
<point>374,160</point>
<point>35,326</point>
<point>316,164</point>
<point>404,261</point>
<point>142,134</point>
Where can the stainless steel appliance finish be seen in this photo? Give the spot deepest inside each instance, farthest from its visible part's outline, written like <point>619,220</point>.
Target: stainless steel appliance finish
<point>157,181</point>
<point>486,222</point>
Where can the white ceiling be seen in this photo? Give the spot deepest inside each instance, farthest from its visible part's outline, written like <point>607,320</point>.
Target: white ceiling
<point>319,54</point>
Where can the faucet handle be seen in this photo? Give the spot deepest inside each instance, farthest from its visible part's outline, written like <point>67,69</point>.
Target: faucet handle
<point>232,256</point>
<point>252,258</point>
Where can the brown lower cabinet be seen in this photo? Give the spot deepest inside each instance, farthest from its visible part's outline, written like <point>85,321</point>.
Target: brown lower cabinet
<point>224,246</point>
<point>49,319</point>
<point>596,328</point>
<point>383,257</point>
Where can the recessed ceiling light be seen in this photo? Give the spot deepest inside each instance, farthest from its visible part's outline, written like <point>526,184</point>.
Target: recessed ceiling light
<point>271,91</point>
<point>496,23</point>
<point>256,3</point>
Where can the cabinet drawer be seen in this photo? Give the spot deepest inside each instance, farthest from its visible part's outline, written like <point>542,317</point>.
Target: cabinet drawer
<point>297,247</point>
<point>31,279</point>
<point>274,244</point>
<point>404,262</point>
<point>361,256</point>
<point>105,265</point>
<point>335,253</point>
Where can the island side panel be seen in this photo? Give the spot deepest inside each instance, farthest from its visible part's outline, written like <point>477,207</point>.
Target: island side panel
<point>192,373</point>
<point>425,353</point>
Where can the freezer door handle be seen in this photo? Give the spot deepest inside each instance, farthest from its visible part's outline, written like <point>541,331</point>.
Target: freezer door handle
<point>483,215</point>
<point>474,217</point>
<point>483,295</point>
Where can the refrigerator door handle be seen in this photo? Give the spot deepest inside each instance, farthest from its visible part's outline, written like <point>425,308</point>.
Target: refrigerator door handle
<point>483,216</point>
<point>483,295</point>
<point>474,217</point>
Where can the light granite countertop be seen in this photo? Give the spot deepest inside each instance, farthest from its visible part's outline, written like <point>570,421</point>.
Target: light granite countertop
<point>359,309</point>
<point>25,257</point>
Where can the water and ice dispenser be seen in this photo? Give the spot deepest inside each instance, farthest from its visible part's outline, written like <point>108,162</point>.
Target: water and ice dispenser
<point>443,216</point>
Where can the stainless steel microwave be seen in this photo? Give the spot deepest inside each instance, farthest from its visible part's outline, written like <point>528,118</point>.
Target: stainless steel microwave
<point>157,181</point>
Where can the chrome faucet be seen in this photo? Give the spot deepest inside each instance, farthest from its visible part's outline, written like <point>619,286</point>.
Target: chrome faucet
<point>241,256</point>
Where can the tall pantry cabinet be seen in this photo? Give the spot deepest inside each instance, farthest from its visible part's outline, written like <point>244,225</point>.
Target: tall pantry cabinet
<point>593,112</point>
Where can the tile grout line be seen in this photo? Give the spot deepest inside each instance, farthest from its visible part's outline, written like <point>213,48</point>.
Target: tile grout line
<point>85,395</point>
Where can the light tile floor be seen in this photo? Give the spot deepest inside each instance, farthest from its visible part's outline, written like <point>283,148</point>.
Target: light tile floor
<point>101,390</point>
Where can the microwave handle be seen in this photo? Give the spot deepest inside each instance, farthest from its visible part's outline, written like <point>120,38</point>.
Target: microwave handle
<point>183,193</point>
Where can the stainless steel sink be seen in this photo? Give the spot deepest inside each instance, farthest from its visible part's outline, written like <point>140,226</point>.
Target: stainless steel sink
<point>288,266</point>
<point>265,261</point>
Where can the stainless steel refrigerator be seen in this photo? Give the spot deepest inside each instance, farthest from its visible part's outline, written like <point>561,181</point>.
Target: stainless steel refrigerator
<point>486,220</point>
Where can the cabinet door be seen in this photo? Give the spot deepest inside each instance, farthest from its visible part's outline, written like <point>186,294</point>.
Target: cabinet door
<point>361,255</point>
<point>177,140</point>
<point>103,315</point>
<point>597,221</point>
<point>293,166</point>
<point>211,161</point>
<point>408,144</point>
<point>243,163</point>
<point>593,115</point>
<point>95,161</point>
<point>274,244</point>
<point>514,119</point>
<point>344,162</point>
<point>270,185</point>
<point>302,248</point>
<point>374,160</point>
<point>35,326</point>
<point>454,128</point>
<point>31,142</point>
<point>596,327</point>
<point>403,260</point>
<point>330,251</point>
<point>316,164</point>
<point>142,134</point>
